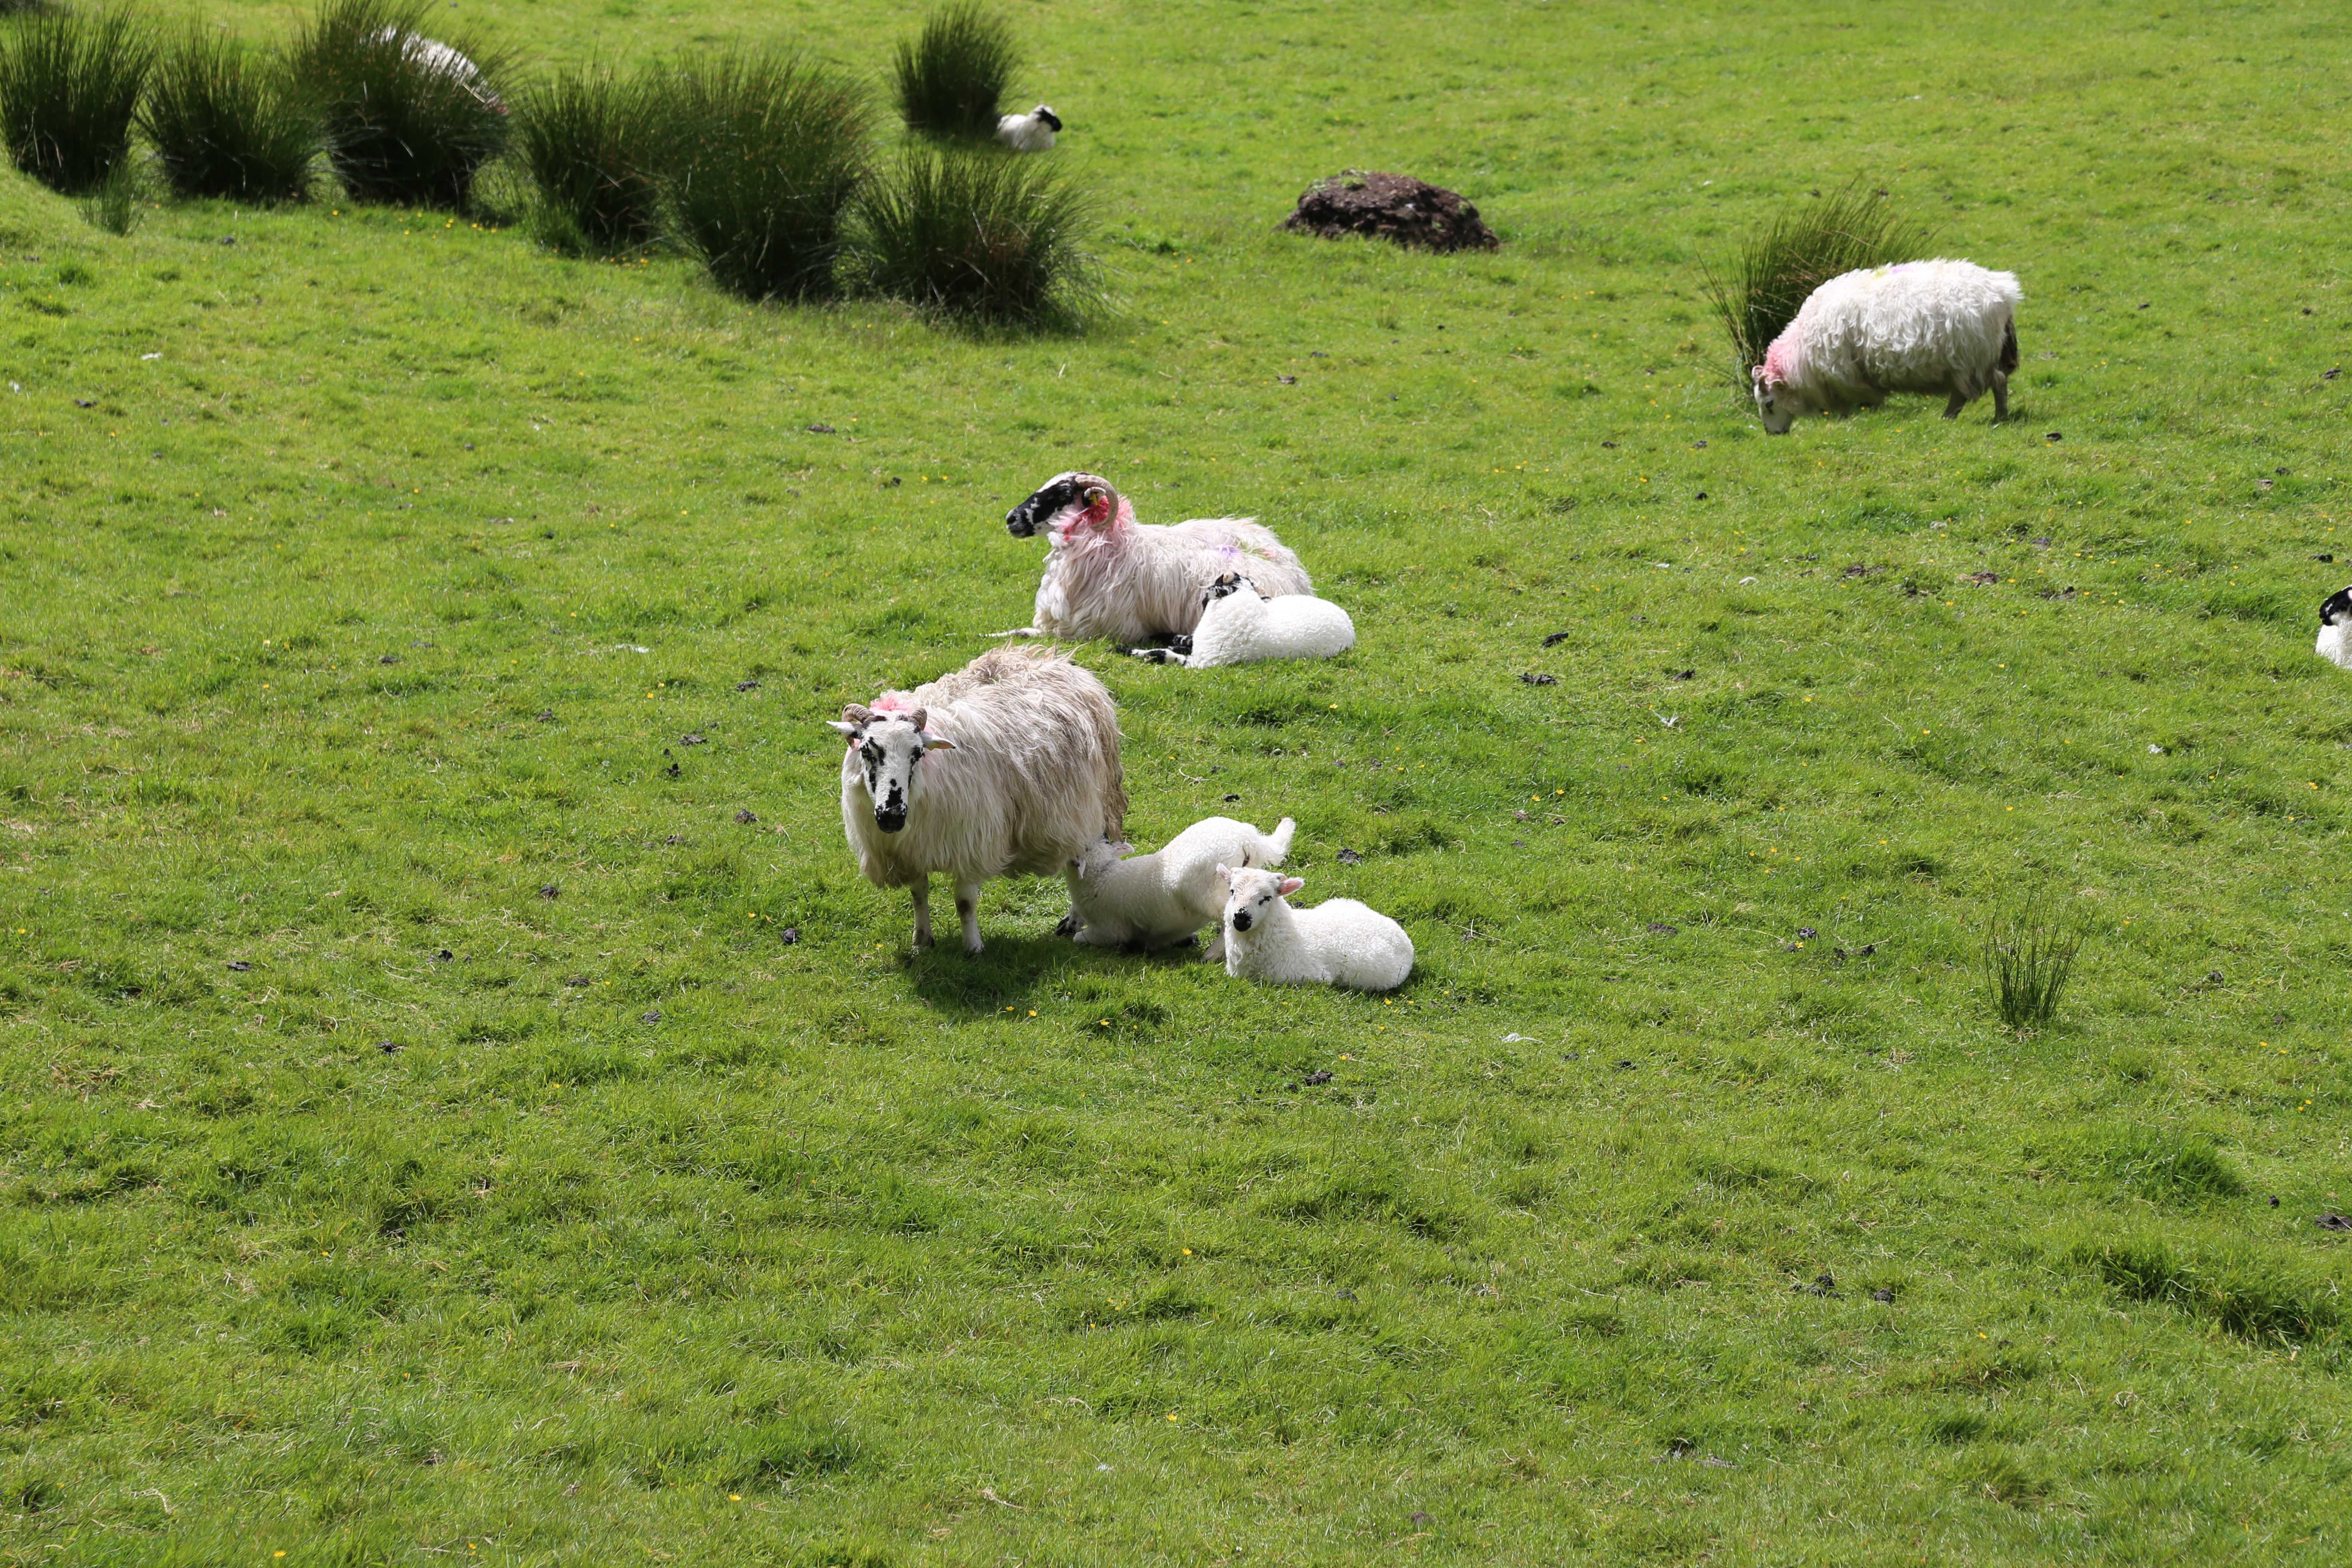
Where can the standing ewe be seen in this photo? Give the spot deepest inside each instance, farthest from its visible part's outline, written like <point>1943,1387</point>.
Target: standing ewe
<point>1028,777</point>
<point>1338,942</point>
<point>2334,625</point>
<point>1918,326</point>
<point>1030,132</point>
<point>1161,899</point>
<point>1107,576</point>
<point>1240,626</point>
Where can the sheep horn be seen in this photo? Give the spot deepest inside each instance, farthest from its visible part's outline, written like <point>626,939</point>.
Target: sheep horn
<point>858,713</point>
<point>918,717</point>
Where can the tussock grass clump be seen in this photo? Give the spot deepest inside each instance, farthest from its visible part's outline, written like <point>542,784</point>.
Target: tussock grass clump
<point>589,138</point>
<point>409,120</point>
<point>767,151</point>
<point>2244,1297</point>
<point>977,236</point>
<point>1768,281</point>
<point>69,84</point>
<point>952,77</point>
<point>229,121</point>
<point>2029,956</point>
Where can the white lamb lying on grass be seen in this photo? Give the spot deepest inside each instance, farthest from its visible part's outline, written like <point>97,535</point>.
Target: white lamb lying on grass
<point>1338,942</point>
<point>1239,625</point>
<point>1159,900</point>
<point>2334,624</point>
<point>1946,327</point>
<point>1030,132</point>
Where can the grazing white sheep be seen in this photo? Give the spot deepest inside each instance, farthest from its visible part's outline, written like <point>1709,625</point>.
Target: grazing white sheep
<point>2334,625</point>
<point>1030,132</point>
<point>1161,899</point>
<point>1937,326</point>
<point>439,58</point>
<point>1008,767</point>
<point>1107,576</point>
<point>1338,942</point>
<point>1238,625</point>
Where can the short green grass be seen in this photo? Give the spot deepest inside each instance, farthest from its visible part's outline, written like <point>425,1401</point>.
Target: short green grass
<point>528,1200</point>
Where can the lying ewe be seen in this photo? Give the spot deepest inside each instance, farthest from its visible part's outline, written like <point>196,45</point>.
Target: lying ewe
<point>1027,776</point>
<point>2335,616</point>
<point>1238,625</point>
<point>1918,326</point>
<point>440,59</point>
<point>1161,899</point>
<point>1107,576</point>
<point>1338,942</point>
<point>1030,132</point>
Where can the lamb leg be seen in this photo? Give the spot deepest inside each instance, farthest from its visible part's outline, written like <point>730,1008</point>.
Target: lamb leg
<point>968,910</point>
<point>922,892</point>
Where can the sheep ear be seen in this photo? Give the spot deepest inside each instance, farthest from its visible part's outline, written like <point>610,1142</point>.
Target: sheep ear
<point>934,744</point>
<point>1122,848</point>
<point>848,731</point>
<point>1291,885</point>
<point>1226,875</point>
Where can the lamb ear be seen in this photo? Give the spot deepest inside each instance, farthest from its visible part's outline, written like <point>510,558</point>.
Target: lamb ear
<point>1122,848</point>
<point>1290,885</point>
<point>1226,875</point>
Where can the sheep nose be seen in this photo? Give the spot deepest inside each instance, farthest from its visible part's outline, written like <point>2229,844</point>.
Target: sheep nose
<point>1242,922</point>
<point>1017,523</point>
<point>889,821</point>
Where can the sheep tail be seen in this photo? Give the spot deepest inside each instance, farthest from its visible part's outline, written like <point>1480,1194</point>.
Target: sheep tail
<point>2009,348</point>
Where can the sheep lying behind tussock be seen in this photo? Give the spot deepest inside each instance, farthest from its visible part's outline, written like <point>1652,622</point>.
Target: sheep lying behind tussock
<point>2335,628</point>
<point>1338,942</point>
<point>1007,767</point>
<point>1946,327</point>
<point>1107,576</point>
<point>1030,132</point>
<point>1161,899</point>
<point>1239,625</point>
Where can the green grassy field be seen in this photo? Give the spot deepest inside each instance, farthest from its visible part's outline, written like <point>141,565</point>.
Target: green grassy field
<point>418,1142</point>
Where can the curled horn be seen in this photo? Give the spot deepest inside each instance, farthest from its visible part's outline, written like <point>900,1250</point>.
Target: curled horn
<point>918,717</point>
<point>858,713</point>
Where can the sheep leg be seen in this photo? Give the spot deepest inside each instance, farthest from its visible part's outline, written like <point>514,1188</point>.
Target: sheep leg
<point>1015,632</point>
<point>1217,953</point>
<point>1161,656</point>
<point>1952,409</point>
<point>1074,926</point>
<point>921,891</point>
<point>2000,398</point>
<point>968,911</point>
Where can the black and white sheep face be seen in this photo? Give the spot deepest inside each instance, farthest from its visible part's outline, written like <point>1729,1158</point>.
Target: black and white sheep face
<point>1063,502</point>
<point>2336,610</point>
<point>1773,404</point>
<point>889,748</point>
<point>1249,894</point>
<point>1230,584</point>
<point>1044,113</point>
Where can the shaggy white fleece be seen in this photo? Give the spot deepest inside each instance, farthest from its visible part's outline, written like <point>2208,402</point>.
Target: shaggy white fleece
<point>1946,327</point>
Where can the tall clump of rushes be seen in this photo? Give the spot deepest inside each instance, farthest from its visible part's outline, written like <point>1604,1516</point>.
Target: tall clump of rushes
<point>70,87</point>
<point>229,121</point>
<point>409,120</point>
<point>1764,287</point>
<point>764,154</point>
<point>591,138</point>
<point>978,236</point>
<point>2029,956</point>
<point>952,77</point>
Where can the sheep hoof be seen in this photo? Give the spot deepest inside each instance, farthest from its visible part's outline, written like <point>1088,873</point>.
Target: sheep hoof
<point>974,945</point>
<point>1069,925</point>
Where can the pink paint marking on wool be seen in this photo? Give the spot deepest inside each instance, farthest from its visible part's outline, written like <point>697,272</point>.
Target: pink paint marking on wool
<point>1781,360</point>
<point>892,702</point>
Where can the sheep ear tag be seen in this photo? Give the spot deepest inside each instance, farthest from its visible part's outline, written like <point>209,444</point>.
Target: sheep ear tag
<point>1291,885</point>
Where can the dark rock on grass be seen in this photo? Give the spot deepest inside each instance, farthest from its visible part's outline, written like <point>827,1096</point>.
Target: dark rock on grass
<point>1984,579</point>
<point>445,956</point>
<point>1319,1076</point>
<point>1534,679</point>
<point>789,935</point>
<point>746,818</point>
<point>820,429</point>
<point>239,965</point>
<point>1625,1064</point>
<point>653,1017</point>
<point>1807,932</point>
<point>1288,380</point>
<point>550,890</point>
<point>675,838</point>
<point>578,980</point>
<point>1558,638</point>
<point>1349,857</point>
<point>2336,1221</point>
<point>1663,929</point>
<point>546,715</point>
<point>691,740</point>
<point>1822,1285</point>
<point>747,686</point>
<point>389,658</point>
<point>389,1047</point>
<point>1412,212</point>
